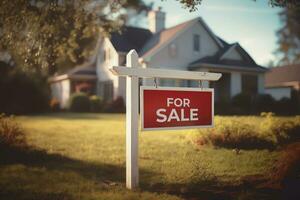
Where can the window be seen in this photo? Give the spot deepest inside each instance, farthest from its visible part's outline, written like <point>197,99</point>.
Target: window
<point>196,42</point>
<point>166,82</point>
<point>172,50</point>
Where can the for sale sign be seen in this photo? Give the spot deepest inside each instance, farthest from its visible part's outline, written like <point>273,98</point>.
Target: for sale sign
<point>176,108</point>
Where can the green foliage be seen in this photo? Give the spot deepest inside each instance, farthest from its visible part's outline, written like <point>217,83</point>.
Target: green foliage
<point>289,35</point>
<point>11,133</point>
<point>96,103</point>
<point>192,4</point>
<point>47,36</point>
<point>264,103</point>
<point>285,106</point>
<point>267,132</point>
<point>115,106</point>
<point>242,103</point>
<point>22,93</point>
<point>79,102</point>
<point>245,104</point>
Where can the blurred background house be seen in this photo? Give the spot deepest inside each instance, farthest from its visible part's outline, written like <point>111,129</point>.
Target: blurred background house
<point>82,78</point>
<point>190,45</point>
<point>282,82</point>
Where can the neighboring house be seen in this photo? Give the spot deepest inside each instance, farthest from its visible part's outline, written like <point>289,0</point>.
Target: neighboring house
<point>80,79</point>
<point>188,46</point>
<point>282,81</point>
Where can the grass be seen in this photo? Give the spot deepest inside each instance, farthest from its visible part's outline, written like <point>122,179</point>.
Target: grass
<point>82,156</point>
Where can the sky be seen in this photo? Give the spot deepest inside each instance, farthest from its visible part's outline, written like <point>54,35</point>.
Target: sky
<point>253,24</point>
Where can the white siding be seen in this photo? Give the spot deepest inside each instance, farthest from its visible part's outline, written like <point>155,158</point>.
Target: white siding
<point>279,93</point>
<point>261,83</point>
<point>107,50</point>
<point>179,53</point>
<point>184,50</point>
<point>103,65</point>
<point>61,91</point>
<point>232,54</point>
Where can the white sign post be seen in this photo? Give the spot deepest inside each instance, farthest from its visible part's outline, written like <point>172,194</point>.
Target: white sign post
<point>132,115</point>
<point>133,73</point>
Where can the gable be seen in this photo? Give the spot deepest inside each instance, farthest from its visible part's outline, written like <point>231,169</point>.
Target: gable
<point>231,57</point>
<point>179,51</point>
<point>165,37</point>
<point>232,54</point>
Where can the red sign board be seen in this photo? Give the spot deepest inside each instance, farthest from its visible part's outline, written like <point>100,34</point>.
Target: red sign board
<point>176,108</point>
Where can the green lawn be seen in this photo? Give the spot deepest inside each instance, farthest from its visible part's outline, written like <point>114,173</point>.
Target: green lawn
<point>82,156</point>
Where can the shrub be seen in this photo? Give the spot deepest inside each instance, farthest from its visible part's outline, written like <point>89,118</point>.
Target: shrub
<point>242,104</point>
<point>116,106</point>
<point>11,134</point>
<point>79,102</point>
<point>285,106</point>
<point>96,103</point>
<point>245,104</point>
<point>264,103</point>
<point>22,93</point>
<point>282,131</point>
<point>267,132</point>
<point>241,136</point>
<point>223,107</point>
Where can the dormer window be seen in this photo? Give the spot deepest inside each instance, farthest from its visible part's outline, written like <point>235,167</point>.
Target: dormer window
<point>196,41</point>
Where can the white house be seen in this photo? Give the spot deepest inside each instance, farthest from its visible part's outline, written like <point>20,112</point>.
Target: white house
<point>282,81</point>
<point>187,46</point>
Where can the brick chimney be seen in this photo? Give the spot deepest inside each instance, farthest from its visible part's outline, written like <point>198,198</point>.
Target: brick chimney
<point>156,19</point>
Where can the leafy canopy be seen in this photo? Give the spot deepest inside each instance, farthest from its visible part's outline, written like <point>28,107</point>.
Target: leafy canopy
<point>289,36</point>
<point>192,4</point>
<point>46,35</point>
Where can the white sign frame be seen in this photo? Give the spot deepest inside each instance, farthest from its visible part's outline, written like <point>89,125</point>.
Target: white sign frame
<point>142,88</point>
<point>133,71</point>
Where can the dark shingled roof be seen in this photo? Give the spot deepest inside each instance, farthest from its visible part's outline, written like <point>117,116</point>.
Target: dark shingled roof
<point>83,70</point>
<point>278,76</point>
<point>247,62</point>
<point>130,38</point>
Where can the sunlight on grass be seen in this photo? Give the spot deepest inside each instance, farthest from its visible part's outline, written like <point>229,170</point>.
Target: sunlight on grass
<point>85,159</point>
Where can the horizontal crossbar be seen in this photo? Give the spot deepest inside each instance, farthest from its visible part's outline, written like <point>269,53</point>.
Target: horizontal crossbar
<point>164,73</point>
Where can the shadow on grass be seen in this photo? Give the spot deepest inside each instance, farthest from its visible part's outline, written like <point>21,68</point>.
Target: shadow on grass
<point>105,176</point>
<point>97,172</point>
<point>115,175</point>
<point>79,116</point>
<point>40,158</point>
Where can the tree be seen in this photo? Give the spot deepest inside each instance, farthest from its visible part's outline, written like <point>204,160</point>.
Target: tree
<point>192,4</point>
<point>289,36</point>
<point>46,35</point>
